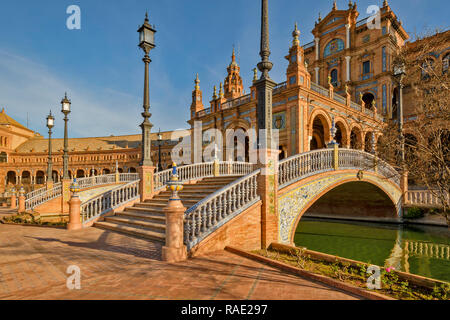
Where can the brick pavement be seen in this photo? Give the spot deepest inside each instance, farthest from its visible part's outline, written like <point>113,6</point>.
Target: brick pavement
<point>34,260</point>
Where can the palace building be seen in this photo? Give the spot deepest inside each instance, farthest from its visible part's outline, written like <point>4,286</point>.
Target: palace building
<point>342,82</point>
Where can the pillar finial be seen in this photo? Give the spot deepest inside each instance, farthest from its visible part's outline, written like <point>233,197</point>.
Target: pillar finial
<point>296,35</point>
<point>255,74</point>
<point>215,93</point>
<point>265,65</point>
<point>334,5</point>
<point>197,83</point>
<point>221,91</point>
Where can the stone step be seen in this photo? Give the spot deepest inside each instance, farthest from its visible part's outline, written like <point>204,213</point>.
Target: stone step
<point>155,217</point>
<point>133,231</point>
<point>157,226</point>
<point>144,210</point>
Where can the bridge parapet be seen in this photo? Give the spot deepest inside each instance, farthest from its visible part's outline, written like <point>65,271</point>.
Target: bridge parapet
<point>217,209</point>
<point>310,163</point>
<point>424,198</point>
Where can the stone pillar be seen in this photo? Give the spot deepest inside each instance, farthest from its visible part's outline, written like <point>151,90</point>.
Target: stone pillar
<point>317,40</point>
<point>13,199</point>
<point>316,69</point>
<point>347,68</point>
<point>216,168</point>
<point>146,185</point>
<point>347,36</point>
<point>267,189</point>
<point>174,250</point>
<point>21,200</point>
<point>74,209</point>
<point>404,182</point>
<point>65,195</point>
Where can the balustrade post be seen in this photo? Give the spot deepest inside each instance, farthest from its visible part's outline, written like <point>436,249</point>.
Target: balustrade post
<point>21,200</point>
<point>174,250</point>
<point>13,199</point>
<point>267,189</point>
<point>146,185</point>
<point>216,168</point>
<point>74,208</point>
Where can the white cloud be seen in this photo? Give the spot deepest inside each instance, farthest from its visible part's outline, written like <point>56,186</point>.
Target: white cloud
<point>30,87</point>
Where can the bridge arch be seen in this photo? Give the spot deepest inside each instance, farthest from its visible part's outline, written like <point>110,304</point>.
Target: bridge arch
<point>296,199</point>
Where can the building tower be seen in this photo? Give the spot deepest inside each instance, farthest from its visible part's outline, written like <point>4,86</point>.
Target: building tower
<point>197,100</point>
<point>297,73</point>
<point>233,82</point>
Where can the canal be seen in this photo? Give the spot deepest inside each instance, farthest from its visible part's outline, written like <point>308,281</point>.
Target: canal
<point>421,250</point>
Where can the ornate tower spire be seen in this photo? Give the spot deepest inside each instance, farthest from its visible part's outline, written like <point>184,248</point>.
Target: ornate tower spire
<point>334,5</point>
<point>215,93</point>
<point>265,65</point>
<point>233,82</point>
<point>296,35</point>
<point>197,100</point>
<point>197,83</point>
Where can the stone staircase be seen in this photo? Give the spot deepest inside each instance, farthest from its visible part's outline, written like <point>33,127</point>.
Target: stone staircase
<point>147,219</point>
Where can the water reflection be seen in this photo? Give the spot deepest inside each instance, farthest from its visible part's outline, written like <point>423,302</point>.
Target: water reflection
<point>420,250</point>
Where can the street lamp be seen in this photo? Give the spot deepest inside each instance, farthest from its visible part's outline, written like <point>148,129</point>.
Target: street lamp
<point>400,73</point>
<point>65,104</point>
<point>146,43</point>
<point>50,125</point>
<point>159,150</point>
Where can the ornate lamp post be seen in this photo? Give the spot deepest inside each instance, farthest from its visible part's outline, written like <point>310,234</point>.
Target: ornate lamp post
<point>159,150</point>
<point>146,43</point>
<point>50,125</point>
<point>400,73</point>
<point>65,104</point>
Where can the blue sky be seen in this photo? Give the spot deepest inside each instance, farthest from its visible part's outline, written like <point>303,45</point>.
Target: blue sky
<point>100,65</point>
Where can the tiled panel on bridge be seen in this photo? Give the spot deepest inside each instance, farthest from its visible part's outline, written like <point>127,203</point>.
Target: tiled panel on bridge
<point>33,264</point>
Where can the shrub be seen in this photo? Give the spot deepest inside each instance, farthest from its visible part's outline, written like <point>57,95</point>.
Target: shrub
<point>414,213</point>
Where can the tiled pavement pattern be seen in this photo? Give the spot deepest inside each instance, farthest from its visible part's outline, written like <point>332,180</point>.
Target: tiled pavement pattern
<point>33,264</point>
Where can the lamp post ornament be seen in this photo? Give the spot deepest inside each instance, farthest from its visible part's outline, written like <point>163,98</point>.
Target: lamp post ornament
<point>146,43</point>
<point>66,104</point>
<point>50,125</point>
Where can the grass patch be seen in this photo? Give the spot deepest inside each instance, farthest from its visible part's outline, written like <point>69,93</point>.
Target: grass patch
<point>391,285</point>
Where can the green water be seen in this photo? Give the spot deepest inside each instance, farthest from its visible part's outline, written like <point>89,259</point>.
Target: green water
<point>420,250</point>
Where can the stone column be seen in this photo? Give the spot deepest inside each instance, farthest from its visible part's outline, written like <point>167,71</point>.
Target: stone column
<point>74,209</point>
<point>13,199</point>
<point>21,200</point>
<point>316,73</point>
<point>347,68</point>
<point>317,40</point>
<point>146,185</point>
<point>174,250</point>
<point>267,189</point>
<point>347,36</point>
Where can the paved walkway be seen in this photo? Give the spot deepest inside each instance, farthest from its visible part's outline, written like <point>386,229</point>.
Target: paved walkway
<point>33,264</point>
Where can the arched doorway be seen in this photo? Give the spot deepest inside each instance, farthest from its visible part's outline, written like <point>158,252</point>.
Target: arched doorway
<point>132,170</point>
<point>282,154</point>
<point>80,173</point>
<point>40,177</point>
<point>355,139</point>
<point>319,133</point>
<point>26,177</point>
<point>341,135</point>
<point>368,142</point>
<point>106,171</point>
<point>55,176</point>
<point>11,177</point>
<point>368,98</point>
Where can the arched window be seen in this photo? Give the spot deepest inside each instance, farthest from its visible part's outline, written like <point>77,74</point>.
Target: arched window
<point>427,66</point>
<point>334,46</point>
<point>334,77</point>
<point>445,63</point>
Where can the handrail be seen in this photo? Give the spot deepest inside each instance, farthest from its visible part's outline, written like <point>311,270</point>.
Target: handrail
<point>306,164</point>
<point>87,182</point>
<point>201,170</point>
<point>99,205</point>
<point>220,207</point>
<point>424,198</point>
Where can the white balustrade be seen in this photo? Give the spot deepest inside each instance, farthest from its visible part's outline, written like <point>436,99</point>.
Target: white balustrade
<point>202,170</point>
<point>424,198</point>
<point>220,207</point>
<point>43,195</point>
<point>109,200</point>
